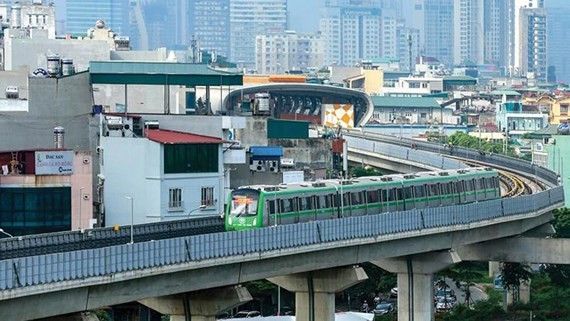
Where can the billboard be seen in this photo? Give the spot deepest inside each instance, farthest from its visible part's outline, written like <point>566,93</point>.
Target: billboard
<point>54,163</point>
<point>337,115</point>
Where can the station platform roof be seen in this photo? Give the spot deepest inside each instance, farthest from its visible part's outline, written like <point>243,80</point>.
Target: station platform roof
<point>160,73</point>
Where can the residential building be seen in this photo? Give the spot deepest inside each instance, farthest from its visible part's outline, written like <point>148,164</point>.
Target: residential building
<point>414,85</point>
<point>29,16</point>
<point>159,175</point>
<point>210,25</point>
<point>45,190</point>
<point>514,121</point>
<point>410,110</point>
<point>280,52</point>
<point>351,34</point>
<point>82,14</point>
<point>249,18</point>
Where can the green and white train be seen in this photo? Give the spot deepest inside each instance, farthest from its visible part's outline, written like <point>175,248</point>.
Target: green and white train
<point>266,205</point>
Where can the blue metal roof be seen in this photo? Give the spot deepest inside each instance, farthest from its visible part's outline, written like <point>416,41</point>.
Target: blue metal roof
<point>266,151</point>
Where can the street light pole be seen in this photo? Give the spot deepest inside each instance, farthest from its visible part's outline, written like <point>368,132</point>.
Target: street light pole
<point>6,233</point>
<point>132,217</point>
<point>80,206</point>
<point>201,207</point>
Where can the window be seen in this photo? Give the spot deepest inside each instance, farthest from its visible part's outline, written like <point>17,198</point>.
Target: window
<point>563,109</point>
<point>207,198</point>
<point>175,198</point>
<point>190,158</point>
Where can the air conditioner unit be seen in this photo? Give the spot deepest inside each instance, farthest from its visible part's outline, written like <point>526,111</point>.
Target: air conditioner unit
<point>258,166</point>
<point>274,169</point>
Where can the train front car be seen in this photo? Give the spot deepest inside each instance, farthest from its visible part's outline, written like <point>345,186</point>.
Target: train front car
<point>242,212</point>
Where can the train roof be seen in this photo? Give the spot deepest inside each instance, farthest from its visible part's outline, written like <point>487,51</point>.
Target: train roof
<point>393,179</point>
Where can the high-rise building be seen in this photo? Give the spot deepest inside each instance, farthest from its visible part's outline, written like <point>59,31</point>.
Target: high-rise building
<point>82,15</point>
<point>532,51</point>
<point>281,52</point>
<point>558,46</point>
<point>351,34</point>
<point>519,29</point>
<point>469,36</point>
<point>496,22</point>
<point>434,19</point>
<point>249,18</point>
<point>210,24</point>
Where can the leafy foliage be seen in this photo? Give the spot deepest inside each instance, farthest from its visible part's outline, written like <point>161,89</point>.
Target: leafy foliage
<point>365,171</point>
<point>465,140</point>
<point>487,310</point>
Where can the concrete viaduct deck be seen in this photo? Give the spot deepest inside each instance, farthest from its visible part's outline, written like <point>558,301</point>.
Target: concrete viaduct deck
<point>300,257</point>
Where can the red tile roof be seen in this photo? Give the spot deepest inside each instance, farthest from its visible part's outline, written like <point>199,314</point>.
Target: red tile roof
<point>173,137</point>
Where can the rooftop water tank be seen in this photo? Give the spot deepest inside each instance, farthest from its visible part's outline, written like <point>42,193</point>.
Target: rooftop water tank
<point>67,67</point>
<point>53,65</point>
<point>16,21</point>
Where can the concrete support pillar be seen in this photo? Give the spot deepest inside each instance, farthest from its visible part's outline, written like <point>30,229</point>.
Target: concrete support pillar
<point>415,282</point>
<point>494,267</point>
<point>315,291</point>
<point>201,305</point>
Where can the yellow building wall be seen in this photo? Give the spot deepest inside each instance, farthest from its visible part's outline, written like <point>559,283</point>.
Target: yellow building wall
<point>558,116</point>
<point>373,81</point>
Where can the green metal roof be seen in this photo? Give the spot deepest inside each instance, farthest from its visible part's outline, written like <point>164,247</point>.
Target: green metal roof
<point>160,73</point>
<point>459,78</point>
<point>505,92</point>
<point>547,131</point>
<point>404,102</point>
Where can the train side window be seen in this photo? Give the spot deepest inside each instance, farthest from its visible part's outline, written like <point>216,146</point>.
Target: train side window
<point>408,193</point>
<point>356,198</point>
<point>384,195</point>
<point>444,189</point>
<point>420,191</point>
<point>469,186</point>
<point>432,190</point>
<point>346,199</point>
<point>373,197</point>
<point>460,186</point>
<point>309,201</point>
<point>287,205</point>
<point>483,183</point>
<point>477,184</point>
<point>399,194</point>
<point>303,204</point>
<point>271,207</point>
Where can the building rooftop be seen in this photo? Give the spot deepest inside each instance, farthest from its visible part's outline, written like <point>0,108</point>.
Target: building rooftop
<point>174,137</point>
<point>505,92</point>
<point>160,73</point>
<point>405,102</point>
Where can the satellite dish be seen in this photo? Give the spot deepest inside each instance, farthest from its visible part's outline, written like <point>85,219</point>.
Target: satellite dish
<point>40,72</point>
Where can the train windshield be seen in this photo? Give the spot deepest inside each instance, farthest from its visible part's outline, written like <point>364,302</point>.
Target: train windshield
<point>244,202</point>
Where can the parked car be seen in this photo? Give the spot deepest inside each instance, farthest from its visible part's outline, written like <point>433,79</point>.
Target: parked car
<point>247,314</point>
<point>444,304</point>
<point>446,294</point>
<point>383,308</point>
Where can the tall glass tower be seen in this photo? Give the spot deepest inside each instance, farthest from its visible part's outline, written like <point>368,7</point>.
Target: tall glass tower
<point>82,15</point>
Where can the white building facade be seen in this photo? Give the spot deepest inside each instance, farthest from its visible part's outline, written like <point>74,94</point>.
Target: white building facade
<point>281,52</point>
<point>351,34</point>
<point>165,175</point>
<point>249,18</point>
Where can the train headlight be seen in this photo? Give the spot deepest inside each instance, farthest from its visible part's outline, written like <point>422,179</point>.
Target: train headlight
<point>230,220</point>
<point>255,221</point>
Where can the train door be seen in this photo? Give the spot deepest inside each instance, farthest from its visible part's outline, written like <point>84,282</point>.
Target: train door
<point>296,215</point>
<point>452,186</point>
<point>409,201</point>
<point>420,196</point>
<point>460,185</point>
<point>346,207</point>
<point>399,198</point>
<point>357,203</point>
<point>274,209</point>
<point>390,199</point>
<point>373,204</point>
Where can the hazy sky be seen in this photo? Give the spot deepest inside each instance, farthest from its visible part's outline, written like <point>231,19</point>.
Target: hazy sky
<point>304,15</point>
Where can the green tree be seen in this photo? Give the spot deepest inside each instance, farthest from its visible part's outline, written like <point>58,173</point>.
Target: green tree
<point>513,275</point>
<point>365,171</point>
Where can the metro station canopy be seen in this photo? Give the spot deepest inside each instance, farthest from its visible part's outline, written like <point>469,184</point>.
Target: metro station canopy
<point>160,73</point>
